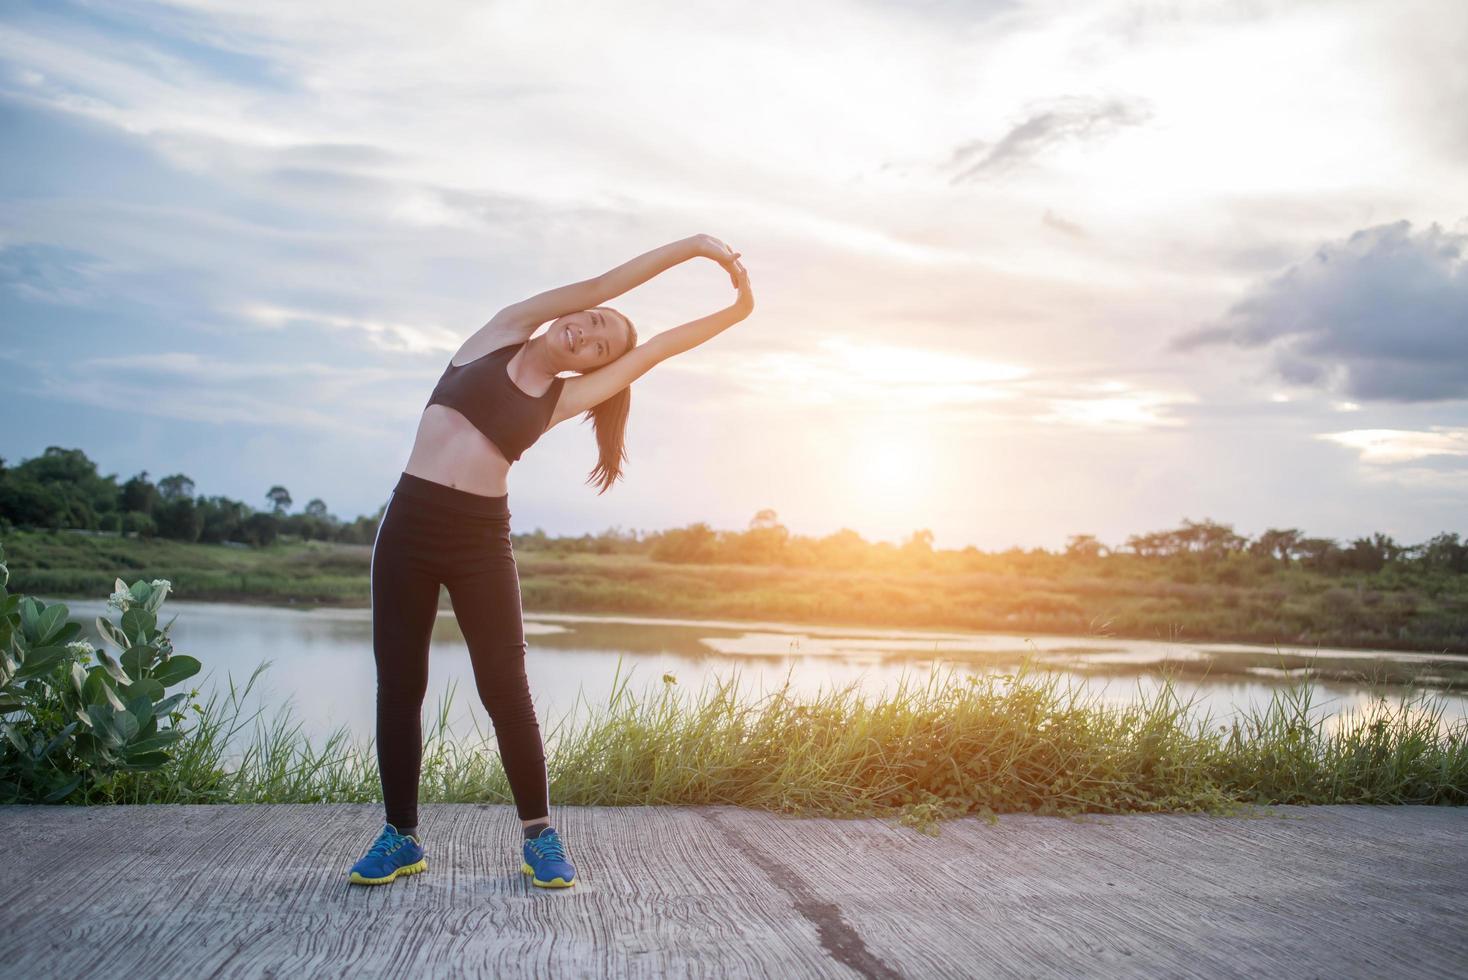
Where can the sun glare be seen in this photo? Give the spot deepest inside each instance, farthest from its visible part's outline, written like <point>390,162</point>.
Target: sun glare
<point>890,472</point>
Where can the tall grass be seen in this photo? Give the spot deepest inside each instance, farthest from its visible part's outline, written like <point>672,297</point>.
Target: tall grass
<point>933,749</point>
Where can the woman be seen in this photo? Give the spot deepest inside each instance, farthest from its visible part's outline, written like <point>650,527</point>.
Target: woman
<point>448,522</point>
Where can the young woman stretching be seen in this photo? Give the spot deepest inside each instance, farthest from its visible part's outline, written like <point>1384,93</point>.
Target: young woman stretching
<point>447,522</point>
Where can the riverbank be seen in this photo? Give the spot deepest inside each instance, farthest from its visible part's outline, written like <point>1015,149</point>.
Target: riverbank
<point>718,891</point>
<point>1293,609</point>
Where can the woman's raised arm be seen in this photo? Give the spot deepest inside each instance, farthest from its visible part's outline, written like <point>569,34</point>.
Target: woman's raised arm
<point>586,391</point>
<point>526,316</point>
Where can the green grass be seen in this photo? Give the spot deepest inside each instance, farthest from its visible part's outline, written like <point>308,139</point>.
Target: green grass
<point>933,749</point>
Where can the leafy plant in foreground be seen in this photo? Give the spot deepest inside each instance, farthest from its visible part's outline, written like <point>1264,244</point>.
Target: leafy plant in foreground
<point>67,723</point>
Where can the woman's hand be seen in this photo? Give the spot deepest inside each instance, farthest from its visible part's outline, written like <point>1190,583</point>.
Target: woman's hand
<point>709,247</point>
<point>744,304</point>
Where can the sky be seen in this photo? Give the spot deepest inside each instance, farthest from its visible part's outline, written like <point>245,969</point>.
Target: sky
<point>1022,270</point>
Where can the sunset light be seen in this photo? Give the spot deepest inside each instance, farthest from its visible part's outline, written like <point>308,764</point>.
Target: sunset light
<point>874,488</point>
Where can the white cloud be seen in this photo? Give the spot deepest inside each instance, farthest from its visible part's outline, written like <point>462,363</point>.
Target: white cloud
<point>413,338</point>
<point>1388,446</point>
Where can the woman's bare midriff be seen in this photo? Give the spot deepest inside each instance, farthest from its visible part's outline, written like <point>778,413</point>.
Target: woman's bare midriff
<point>449,450</point>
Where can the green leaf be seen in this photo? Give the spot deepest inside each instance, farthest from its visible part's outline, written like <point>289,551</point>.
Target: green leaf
<point>40,661</point>
<point>141,708</point>
<point>49,623</point>
<point>109,632</point>
<point>101,718</point>
<point>153,743</point>
<point>126,724</point>
<point>94,691</point>
<point>110,693</point>
<point>65,789</point>
<point>107,663</point>
<point>30,614</point>
<point>78,679</point>
<point>9,702</point>
<point>61,736</point>
<point>139,623</point>
<point>156,599</point>
<point>148,760</point>
<point>15,737</point>
<point>144,685</point>
<point>136,660</point>
<point>176,668</point>
<point>167,704</point>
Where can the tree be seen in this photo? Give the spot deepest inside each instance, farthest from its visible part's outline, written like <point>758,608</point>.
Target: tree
<point>1445,552</point>
<point>223,519</point>
<point>921,541</point>
<point>139,494</point>
<point>763,543</point>
<point>1083,546</point>
<point>78,494</point>
<point>1317,554</point>
<point>179,520</point>
<point>694,543</point>
<point>1277,543</point>
<point>843,549</point>
<point>136,522</point>
<point>764,518</point>
<point>1151,545</point>
<point>30,503</point>
<point>280,499</point>
<point>176,487</point>
<point>1367,554</point>
<point>317,508</point>
<point>261,529</point>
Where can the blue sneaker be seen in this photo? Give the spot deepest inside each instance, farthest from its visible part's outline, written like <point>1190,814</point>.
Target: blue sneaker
<point>392,854</point>
<point>545,861</point>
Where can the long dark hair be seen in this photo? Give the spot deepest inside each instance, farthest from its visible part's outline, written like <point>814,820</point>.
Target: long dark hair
<point>609,419</point>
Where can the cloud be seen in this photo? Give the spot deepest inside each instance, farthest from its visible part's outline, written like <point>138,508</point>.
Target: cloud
<point>413,338</point>
<point>49,274</point>
<point>186,385</point>
<point>1380,316</point>
<point>1053,220</point>
<point>1067,119</point>
<point>1385,446</point>
<point>1115,405</point>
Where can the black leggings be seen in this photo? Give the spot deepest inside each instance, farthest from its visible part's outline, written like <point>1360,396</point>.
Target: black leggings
<point>433,534</point>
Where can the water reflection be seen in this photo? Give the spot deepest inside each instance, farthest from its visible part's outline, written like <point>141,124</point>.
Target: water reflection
<point>322,663</point>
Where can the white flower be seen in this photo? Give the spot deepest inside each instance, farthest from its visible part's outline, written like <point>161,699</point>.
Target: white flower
<point>162,583</point>
<point>80,647</point>
<point>120,600</point>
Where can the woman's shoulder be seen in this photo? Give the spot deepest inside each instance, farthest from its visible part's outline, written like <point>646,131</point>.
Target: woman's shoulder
<point>488,339</point>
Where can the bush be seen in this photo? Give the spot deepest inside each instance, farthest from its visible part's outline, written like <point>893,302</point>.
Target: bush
<point>67,728</point>
<point>139,523</point>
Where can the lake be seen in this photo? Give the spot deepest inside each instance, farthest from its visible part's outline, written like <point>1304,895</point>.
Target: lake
<point>322,665</point>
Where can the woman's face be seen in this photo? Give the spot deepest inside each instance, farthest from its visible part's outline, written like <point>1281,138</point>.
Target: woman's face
<point>586,340</point>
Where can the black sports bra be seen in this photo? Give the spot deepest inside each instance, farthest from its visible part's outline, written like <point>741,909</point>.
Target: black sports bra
<point>483,392</point>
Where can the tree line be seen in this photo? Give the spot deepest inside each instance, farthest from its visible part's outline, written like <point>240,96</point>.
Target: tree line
<point>62,489</point>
